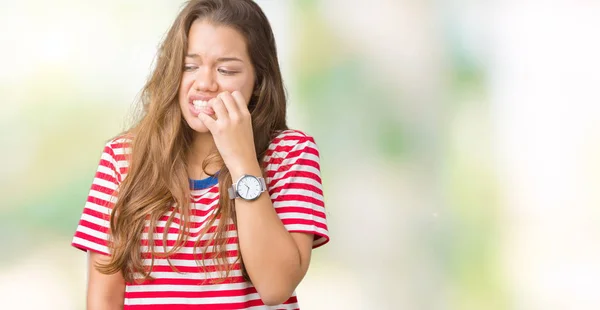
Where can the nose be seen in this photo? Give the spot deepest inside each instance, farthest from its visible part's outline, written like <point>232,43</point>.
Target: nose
<point>205,80</point>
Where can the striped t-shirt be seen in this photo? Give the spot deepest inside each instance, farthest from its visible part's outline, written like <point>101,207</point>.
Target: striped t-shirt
<point>294,184</point>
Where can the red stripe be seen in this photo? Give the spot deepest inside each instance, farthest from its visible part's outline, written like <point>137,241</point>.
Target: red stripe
<point>299,165</point>
<point>121,145</point>
<point>229,306</point>
<point>283,198</point>
<point>96,214</point>
<point>212,229</point>
<point>103,189</point>
<point>106,177</point>
<point>120,157</point>
<point>99,202</point>
<point>89,238</point>
<point>292,153</point>
<point>93,226</point>
<point>170,281</point>
<point>86,248</point>
<point>303,222</point>
<point>187,269</point>
<point>205,294</point>
<point>281,210</point>
<point>188,244</point>
<point>294,174</point>
<point>304,186</point>
<point>198,255</point>
<point>199,213</point>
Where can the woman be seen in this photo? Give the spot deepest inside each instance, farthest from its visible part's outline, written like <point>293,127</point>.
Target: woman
<point>231,196</point>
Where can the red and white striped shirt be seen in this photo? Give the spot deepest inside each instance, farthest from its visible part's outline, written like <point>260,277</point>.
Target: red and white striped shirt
<point>294,185</point>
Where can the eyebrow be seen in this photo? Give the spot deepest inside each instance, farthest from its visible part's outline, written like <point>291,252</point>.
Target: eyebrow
<point>221,59</point>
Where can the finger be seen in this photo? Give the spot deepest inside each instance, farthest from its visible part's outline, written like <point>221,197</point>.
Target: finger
<point>218,106</point>
<point>240,100</point>
<point>230,105</point>
<point>208,121</point>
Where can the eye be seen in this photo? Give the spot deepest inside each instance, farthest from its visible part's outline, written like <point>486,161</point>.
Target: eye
<point>226,72</point>
<point>188,68</point>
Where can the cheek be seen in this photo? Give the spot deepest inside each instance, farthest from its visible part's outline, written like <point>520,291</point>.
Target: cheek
<point>244,85</point>
<point>184,86</point>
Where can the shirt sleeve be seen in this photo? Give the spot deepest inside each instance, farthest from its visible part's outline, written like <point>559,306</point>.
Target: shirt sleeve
<point>93,228</point>
<point>295,187</point>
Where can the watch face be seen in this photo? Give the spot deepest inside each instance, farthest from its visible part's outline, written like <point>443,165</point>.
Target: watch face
<point>249,187</point>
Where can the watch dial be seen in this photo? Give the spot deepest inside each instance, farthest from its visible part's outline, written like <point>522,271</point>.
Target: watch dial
<point>249,187</point>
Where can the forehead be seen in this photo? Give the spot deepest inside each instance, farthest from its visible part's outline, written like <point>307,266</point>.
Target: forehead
<point>209,40</point>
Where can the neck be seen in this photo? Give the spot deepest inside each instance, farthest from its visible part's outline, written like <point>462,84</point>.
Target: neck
<point>202,146</point>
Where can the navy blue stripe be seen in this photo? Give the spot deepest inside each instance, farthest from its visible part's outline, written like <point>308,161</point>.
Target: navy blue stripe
<point>204,183</point>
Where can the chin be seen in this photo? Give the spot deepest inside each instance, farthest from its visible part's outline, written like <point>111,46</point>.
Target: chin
<point>201,129</point>
<point>197,125</point>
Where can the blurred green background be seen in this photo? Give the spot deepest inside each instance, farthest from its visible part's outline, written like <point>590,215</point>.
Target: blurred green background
<point>459,144</point>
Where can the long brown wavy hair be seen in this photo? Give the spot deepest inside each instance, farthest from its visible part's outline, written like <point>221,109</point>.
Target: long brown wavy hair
<point>157,179</point>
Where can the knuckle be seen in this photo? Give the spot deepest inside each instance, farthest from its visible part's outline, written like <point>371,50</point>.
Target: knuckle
<point>236,119</point>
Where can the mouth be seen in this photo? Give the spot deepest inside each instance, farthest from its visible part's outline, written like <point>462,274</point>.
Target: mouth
<point>199,104</point>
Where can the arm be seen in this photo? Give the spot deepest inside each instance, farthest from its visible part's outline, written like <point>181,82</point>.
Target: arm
<point>91,236</point>
<point>104,292</point>
<point>275,259</point>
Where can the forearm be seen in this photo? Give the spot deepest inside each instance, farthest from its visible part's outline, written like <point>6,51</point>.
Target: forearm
<point>105,304</point>
<point>104,292</point>
<point>271,256</point>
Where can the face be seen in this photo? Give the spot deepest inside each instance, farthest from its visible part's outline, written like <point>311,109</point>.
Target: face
<point>216,60</point>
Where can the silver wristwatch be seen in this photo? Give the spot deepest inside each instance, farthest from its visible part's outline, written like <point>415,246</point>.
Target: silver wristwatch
<point>248,187</point>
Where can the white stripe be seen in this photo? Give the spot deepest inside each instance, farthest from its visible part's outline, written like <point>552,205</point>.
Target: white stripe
<point>190,301</point>
<point>306,228</point>
<point>104,183</point>
<point>196,218</point>
<point>102,196</point>
<point>296,168</point>
<point>291,160</point>
<point>108,157</point>
<point>301,180</point>
<point>278,307</point>
<point>98,208</point>
<point>173,236</point>
<point>92,232</point>
<point>188,250</point>
<point>194,230</point>
<point>192,219</point>
<point>186,262</point>
<point>298,191</point>
<point>89,244</point>
<point>294,203</point>
<point>122,150</point>
<point>94,220</point>
<point>105,170</point>
<point>204,193</point>
<point>303,216</point>
<point>190,275</point>
<point>284,142</point>
<point>275,154</point>
<point>186,288</point>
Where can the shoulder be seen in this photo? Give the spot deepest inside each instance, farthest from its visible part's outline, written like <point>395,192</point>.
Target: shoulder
<point>291,143</point>
<point>116,154</point>
<point>290,137</point>
<point>119,145</point>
